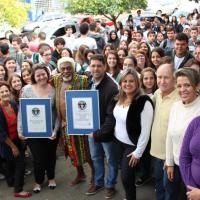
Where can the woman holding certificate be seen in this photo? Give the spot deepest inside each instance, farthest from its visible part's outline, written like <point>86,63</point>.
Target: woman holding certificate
<point>42,149</point>
<point>133,114</point>
<point>11,148</point>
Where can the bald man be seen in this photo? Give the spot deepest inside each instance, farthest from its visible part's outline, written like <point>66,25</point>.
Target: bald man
<point>163,98</point>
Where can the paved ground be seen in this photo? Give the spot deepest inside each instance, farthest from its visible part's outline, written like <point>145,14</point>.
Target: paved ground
<point>64,175</point>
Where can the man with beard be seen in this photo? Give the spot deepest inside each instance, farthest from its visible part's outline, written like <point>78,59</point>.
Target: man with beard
<point>76,146</point>
<point>101,141</point>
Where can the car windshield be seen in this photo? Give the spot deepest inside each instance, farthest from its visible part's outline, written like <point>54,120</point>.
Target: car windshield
<point>39,18</point>
<point>48,17</point>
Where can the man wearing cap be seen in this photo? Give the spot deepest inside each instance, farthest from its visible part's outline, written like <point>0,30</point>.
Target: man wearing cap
<point>76,147</point>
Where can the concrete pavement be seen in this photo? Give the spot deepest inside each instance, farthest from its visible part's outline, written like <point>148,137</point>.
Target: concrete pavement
<point>65,173</point>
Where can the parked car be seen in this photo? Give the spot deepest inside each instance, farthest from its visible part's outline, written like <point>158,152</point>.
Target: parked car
<point>6,29</point>
<point>45,19</point>
<point>58,30</point>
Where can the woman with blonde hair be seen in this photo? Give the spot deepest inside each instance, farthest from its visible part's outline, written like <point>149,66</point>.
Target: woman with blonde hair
<point>133,47</point>
<point>133,114</point>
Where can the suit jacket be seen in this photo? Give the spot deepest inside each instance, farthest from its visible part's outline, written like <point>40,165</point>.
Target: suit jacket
<point>107,90</point>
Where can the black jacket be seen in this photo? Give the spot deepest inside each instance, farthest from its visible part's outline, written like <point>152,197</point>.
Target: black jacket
<point>99,40</point>
<point>133,120</point>
<point>187,57</point>
<point>180,27</point>
<point>107,90</point>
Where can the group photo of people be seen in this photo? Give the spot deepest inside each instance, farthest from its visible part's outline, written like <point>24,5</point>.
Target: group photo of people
<point>147,74</point>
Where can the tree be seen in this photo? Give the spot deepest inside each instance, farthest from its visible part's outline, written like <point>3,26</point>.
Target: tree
<point>13,12</point>
<point>111,9</point>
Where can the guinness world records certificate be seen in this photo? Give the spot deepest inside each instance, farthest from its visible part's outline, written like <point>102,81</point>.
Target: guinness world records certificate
<point>36,117</point>
<point>82,111</point>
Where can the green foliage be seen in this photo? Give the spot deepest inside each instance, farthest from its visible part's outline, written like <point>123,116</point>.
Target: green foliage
<point>13,12</point>
<point>109,8</point>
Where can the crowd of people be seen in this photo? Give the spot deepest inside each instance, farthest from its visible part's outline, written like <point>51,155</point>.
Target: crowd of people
<point>148,77</point>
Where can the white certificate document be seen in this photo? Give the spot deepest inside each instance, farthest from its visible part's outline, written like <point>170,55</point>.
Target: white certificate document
<point>36,118</point>
<point>82,113</point>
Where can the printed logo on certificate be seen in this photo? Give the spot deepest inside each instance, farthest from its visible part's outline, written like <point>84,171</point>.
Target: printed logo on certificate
<point>36,117</point>
<point>82,111</point>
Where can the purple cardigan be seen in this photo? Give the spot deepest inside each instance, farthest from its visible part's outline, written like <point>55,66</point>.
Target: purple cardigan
<point>190,154</point>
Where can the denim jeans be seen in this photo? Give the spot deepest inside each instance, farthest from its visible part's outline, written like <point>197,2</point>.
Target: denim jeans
<point>98,150</point>
<point>159,174</point>
<point>166,190</point>
<point>175,190</point>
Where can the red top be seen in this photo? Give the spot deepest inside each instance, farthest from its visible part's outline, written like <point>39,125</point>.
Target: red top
<point>11,120</point>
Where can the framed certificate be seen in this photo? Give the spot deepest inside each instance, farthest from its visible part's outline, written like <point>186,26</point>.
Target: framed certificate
<point>82,111</point>
<point>36,118</point>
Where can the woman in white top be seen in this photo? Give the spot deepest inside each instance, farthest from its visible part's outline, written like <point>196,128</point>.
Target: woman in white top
<point>182,113</point>
<point>133,114</point>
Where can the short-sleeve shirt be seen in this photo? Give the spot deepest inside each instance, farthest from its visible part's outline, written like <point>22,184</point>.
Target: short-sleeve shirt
<point>90,42</point>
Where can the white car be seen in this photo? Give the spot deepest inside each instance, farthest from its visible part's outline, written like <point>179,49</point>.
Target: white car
<point>44,20</point>
<point>6,29</point>
<point>58,30</point>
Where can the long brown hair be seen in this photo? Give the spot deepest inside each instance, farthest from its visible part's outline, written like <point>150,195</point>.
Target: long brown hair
<point>148,69</point>
<point>15,93</point>
<point>122,96</point>
<point>117,67</point>
<point>79,57</point>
